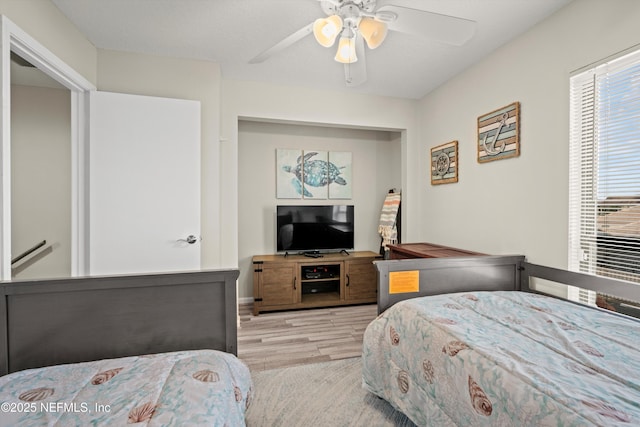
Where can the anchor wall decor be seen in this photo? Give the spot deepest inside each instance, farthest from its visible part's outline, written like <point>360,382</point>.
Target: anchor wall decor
<point>499,134</point>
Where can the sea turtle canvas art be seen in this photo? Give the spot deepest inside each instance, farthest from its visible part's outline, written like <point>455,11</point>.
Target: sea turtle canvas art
<point>313,174</point>
<point>341,160</point>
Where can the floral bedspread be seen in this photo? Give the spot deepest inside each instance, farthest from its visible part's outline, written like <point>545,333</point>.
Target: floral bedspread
<point>504,359</point>
<point>203,387</point>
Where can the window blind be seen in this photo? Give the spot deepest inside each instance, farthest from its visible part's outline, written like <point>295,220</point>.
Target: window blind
<point>604,176</point>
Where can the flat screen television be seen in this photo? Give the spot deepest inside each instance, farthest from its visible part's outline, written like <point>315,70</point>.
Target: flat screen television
<point>314,228</point>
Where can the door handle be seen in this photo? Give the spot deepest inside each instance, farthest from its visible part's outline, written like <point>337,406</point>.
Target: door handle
<point>191,239</point>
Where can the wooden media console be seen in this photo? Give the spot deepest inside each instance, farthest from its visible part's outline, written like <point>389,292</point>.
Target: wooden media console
<point>285,282</point>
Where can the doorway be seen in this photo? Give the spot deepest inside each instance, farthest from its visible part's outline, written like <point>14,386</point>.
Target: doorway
<point>40,174</point>
<point>77,90</point>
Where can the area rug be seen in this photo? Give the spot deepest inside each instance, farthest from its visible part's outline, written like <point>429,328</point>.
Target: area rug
<point>322,394</point>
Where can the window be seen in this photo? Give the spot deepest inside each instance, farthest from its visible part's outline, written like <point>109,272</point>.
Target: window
<point>604,193</point>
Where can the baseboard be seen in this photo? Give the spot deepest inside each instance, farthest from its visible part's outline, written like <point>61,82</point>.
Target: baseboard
<point>245,300</point>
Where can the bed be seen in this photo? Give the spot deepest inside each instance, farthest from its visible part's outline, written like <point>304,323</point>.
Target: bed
<point>156,348</point>
<point>470,342</point>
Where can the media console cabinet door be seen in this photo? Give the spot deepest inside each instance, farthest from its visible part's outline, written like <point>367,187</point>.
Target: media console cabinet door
<point>360,276</point>
<point>278,284</point>
<point>144,184</point>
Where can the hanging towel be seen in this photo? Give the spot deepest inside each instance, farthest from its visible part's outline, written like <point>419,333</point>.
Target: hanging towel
<point>387,227</point>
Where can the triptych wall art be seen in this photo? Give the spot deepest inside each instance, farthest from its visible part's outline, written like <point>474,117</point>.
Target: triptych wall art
<point>498,137</point>
<point>313,174</point>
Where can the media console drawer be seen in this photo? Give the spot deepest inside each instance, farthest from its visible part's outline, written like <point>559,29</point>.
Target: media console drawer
<point>295,281</point>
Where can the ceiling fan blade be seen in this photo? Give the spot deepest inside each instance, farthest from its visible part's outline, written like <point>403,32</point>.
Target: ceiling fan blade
<point>356,73</point>
<point>283,44</point>
<point>443,28</point>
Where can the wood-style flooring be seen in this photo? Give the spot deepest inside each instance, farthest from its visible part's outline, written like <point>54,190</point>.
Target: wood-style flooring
<point>290,338</point>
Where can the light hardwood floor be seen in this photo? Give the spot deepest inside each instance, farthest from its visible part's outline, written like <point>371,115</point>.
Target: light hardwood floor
<point>289,338</point>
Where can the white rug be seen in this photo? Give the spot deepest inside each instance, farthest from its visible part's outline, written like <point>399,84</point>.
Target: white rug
<point>322,394</point>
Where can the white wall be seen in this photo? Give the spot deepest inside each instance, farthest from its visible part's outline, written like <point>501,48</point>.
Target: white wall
<point>41,180</point>
<point>376,169</point>
<point>517,205</point>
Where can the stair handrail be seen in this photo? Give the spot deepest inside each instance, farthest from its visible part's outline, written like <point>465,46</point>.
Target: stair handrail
<point>28,252</point>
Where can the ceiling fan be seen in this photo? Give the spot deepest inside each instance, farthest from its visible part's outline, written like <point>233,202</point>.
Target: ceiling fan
<point>358,22</point>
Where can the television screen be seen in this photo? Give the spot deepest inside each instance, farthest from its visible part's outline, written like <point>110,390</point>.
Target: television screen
<point>306,228</point>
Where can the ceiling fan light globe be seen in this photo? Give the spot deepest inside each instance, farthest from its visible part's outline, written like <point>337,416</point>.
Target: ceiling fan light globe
<point>373,32</point>
<point>346,53</point>
<point>326,30</point>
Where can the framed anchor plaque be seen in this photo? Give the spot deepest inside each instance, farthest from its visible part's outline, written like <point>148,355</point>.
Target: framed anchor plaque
<point>499,134</point>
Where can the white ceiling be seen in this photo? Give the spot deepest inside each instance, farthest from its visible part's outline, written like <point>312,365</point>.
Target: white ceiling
<point>231,32</point>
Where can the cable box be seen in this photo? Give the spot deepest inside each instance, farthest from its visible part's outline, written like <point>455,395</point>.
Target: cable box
<point>312,272</point>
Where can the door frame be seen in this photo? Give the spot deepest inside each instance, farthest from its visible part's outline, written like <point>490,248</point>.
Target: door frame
<point>15,39</point>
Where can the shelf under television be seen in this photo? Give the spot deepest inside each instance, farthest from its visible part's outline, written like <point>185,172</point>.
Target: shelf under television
<point>321,298</point>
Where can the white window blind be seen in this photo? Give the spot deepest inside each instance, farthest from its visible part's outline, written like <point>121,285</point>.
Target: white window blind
<point>604,176</point>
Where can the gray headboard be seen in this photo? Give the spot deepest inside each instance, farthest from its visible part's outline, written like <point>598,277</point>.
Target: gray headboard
<point>488,273</point>
<point>49,322</point>
<point>446,275</point>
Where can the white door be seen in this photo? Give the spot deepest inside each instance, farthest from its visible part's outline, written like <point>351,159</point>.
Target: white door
<point>144,188</point>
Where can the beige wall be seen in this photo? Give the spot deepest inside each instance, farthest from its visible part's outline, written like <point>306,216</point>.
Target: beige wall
<point>138,74</point>
<point>518,205</point>
<point>185,79</point>
<point>42,20</point>
<point>241,100</point>
<point>43,212</point>
<point>41,179</point>
<point>311,107</point>
<point>376,169</point>
<point>509,206</point>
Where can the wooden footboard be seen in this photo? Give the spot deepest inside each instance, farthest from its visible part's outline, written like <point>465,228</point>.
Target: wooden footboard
<point>49,322</point>
<point>409,278</point>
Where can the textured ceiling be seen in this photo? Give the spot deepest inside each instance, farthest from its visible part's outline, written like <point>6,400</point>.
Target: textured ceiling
<point>231,32</point>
